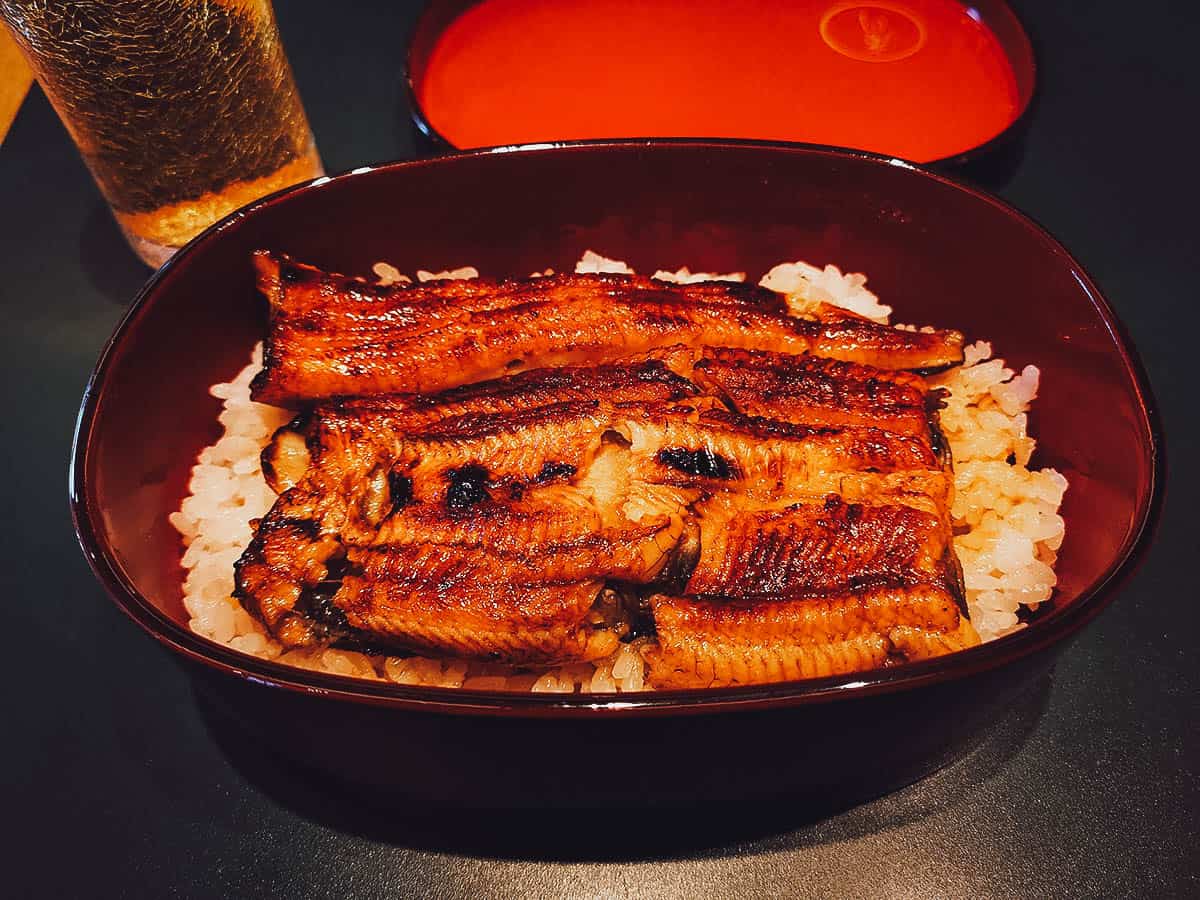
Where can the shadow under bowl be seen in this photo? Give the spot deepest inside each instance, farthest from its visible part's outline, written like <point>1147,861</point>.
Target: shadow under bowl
<point>937,251</point>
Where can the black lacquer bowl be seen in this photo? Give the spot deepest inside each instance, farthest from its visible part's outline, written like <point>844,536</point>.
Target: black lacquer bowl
<point>937,251</point>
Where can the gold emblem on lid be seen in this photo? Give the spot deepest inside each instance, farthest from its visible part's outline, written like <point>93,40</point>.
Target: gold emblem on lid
<point>873,32</point>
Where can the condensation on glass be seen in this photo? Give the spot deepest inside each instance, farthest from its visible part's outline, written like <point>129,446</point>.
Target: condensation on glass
<point>184,110</point>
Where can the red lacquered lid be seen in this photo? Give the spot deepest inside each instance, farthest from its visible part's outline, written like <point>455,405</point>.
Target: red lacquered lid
<point>923,80</point>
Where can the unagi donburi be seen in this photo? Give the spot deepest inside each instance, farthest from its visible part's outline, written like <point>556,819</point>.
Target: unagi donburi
<point>600,481</point>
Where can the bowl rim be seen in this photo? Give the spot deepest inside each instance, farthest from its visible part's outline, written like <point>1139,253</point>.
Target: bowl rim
<point>1011,132</point>
<point>1057,626</point>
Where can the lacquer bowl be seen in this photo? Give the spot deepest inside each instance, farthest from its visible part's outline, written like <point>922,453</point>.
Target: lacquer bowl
<point>936,250</point>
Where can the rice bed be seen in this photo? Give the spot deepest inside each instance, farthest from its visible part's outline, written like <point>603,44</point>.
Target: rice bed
<point>1007,527</point>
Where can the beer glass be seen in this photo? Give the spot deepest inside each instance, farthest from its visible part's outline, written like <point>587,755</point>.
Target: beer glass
<point>183,110</point>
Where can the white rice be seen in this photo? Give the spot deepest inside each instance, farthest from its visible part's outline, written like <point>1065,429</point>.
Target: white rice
<point>592,263</point>
<point>466,272</point>
<point>1009,512</point>
<point>684,276</point>
<point>806,285</point>
<point>1006,514</point>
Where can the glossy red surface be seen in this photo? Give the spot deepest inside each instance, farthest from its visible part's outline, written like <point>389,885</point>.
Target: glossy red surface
<point>703,83</point>
<point>935,250</point>
<point>922,80</point>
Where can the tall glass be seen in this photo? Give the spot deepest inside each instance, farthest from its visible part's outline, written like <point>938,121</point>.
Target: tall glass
<point>184,110</point>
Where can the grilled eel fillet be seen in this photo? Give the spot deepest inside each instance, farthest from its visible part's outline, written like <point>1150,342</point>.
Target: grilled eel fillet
<point>331,335</point>
<point>769,516</point>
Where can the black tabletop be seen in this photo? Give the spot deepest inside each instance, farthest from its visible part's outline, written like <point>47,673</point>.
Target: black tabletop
<point>117,781</point>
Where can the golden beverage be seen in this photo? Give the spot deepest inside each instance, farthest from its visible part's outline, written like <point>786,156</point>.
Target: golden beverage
<point>15,79</point>
<point>184,110</point>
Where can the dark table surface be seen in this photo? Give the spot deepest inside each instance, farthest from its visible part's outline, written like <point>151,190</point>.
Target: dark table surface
<point>116,782</point>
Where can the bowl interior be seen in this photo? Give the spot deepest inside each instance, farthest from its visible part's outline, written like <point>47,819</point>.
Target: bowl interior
<point>937,252</point>
<point>997,15</point>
